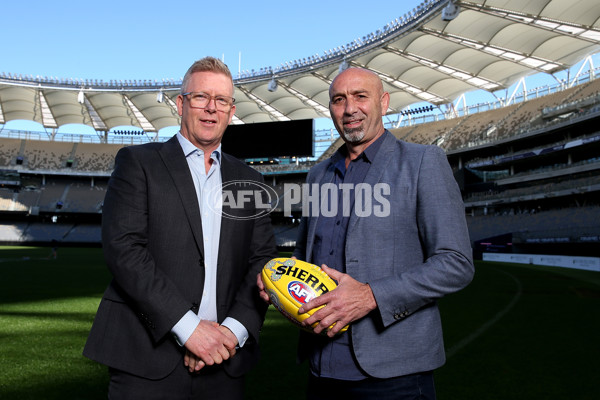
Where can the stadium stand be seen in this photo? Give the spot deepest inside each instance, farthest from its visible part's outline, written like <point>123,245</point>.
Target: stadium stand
<point>526,164</point>
<point>95,157</point>
<point>9,151</point>
<point>12,233</point>
<point>46,154</point>
<point>524,170</point>
<point>431,132</point>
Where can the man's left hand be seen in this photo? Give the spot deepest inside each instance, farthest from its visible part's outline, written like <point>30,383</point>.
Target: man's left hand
<point>349,301</point>
<point>195,364</point>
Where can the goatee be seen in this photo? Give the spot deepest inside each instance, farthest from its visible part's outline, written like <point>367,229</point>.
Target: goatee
<point>354,135</point>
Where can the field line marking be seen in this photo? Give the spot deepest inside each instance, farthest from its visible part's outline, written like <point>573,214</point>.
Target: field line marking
<point>479,331</point>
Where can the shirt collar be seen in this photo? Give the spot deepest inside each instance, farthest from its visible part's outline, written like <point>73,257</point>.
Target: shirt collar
<point>189,148</point>
<point>368,155</point>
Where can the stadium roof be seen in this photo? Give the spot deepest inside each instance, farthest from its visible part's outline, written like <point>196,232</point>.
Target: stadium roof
<point>432,54</point>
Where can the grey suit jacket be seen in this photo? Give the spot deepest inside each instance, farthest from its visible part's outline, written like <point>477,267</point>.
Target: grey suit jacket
<point>410,258</point>
<point>152,242</point>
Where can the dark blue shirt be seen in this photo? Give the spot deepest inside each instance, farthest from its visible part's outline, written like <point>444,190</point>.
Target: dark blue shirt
<point>333,358</point>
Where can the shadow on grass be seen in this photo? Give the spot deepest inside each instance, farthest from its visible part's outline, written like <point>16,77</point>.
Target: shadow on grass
<point>90,384</point>
<point>277,374</point>
<point>26,274</point>
<point>84,317</point>
<point>544,347</point>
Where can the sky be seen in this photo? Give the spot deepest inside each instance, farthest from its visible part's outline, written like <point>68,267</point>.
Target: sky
<point>159,40</point>
<point>152,40</point>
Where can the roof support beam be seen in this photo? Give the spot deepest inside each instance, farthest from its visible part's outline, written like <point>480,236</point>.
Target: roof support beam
<point>172,106</point>
<point>96,121</point>
<point>322,77</point>
<point>47,118</point>
<point>141,118</point>
<point>419,93</point>
<point>315,105</point>
<point>588,61</point>
<point>529,61</point>
<point>273,113</point>
<point>583,32</point>
<point>467,77</point>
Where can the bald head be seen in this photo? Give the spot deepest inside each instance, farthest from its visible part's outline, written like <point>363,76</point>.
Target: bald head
<point>356,103</point>
<point>359,74</point>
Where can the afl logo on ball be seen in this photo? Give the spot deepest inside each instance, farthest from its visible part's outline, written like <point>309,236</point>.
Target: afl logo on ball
<point>301,292</point>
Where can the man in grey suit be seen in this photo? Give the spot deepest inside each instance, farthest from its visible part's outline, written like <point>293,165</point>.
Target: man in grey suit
<point>181,317</point>
<point>397,242</point>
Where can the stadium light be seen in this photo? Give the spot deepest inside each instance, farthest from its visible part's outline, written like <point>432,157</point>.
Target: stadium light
<point>344,65</point>
<point>450,11</point>
<point>272,85</point>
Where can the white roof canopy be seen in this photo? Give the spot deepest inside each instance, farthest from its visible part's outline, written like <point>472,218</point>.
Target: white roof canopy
<point>420,57</point>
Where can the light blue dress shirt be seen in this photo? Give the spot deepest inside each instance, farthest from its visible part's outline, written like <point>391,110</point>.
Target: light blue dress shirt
<point>208,189</point>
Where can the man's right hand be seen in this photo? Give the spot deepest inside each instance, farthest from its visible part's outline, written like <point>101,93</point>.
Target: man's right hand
<point>210,344</point>
<point>261,288</point>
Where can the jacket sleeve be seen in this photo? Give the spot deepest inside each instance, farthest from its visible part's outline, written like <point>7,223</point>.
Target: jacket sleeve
<point>443,262</point>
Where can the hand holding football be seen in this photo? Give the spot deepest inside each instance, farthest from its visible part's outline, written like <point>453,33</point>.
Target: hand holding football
<point>291,283</point>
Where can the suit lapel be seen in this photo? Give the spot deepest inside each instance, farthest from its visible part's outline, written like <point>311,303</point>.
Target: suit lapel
<point>225,267</point>
<point>177,166</point>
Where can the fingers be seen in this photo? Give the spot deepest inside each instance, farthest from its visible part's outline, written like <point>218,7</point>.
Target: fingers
<point>193,363</point>
<point>348,302</point>
<point>333,273</point>
<point>327,319</point>
<point>314,303</point>
<point>259,281</point>
<point>233,340</point>
<point>210,344</point>
<point>261,289</point>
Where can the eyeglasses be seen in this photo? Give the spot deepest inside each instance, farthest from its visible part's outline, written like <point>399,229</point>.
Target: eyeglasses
<point>201,100</point>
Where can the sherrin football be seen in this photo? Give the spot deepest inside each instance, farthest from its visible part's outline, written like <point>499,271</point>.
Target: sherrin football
<point>291,283</point>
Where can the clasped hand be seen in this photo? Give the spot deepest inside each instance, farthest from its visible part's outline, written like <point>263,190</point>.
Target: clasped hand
<point>209,344</point>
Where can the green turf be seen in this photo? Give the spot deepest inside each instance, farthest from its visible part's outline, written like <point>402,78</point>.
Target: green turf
<point>544,347</point>
<point>517,332</point>
<point>46,309</point>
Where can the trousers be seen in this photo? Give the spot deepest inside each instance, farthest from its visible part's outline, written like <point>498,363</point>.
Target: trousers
<point>211,383</point>
<point>418,386</point>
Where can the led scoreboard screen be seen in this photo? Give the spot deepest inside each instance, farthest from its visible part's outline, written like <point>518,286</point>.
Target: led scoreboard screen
<point>270,139</point>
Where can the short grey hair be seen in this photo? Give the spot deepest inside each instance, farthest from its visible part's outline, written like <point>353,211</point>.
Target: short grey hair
<point>206,64</point>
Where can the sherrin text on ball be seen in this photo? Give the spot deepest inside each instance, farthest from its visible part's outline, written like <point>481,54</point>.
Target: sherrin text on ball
<point>291,283</point>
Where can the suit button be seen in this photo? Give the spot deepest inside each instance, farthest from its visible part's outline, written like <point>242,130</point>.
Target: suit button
<point>396,316</point>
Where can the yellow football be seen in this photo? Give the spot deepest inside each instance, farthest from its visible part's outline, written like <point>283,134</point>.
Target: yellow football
<point>291,283</point>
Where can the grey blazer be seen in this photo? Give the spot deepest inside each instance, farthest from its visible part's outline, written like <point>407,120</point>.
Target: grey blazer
<point>411,258</point>
<point>152,241</point>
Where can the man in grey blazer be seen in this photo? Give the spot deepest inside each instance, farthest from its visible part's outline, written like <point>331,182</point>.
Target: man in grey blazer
<point>397,242</point>
<point>181,317</point>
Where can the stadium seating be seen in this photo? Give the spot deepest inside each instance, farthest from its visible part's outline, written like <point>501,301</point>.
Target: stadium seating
<point>551,178</point>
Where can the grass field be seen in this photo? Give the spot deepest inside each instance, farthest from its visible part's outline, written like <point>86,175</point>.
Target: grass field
<point>517,332</point>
